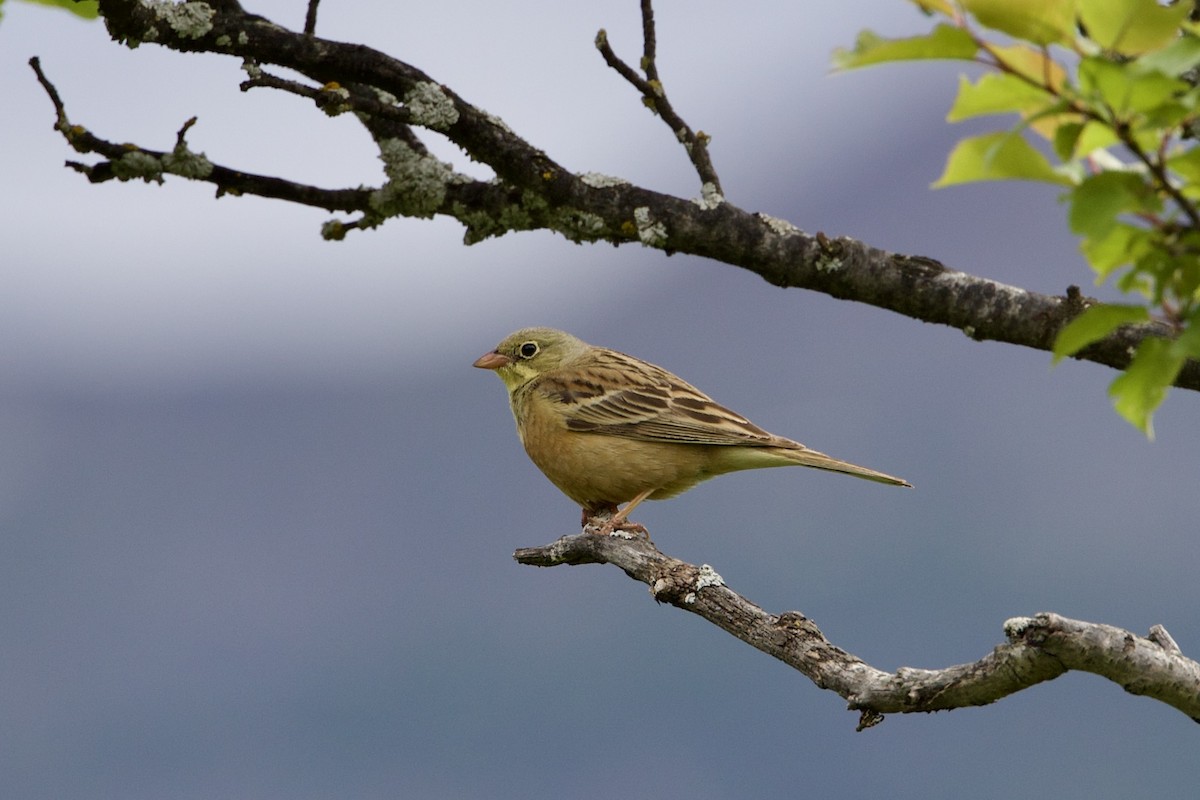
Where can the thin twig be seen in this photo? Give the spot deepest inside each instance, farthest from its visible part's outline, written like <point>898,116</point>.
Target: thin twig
<point>124,159</point>
<point>310,18</point>
<point>654,96</point>
<point>383,120</point>
<point>181,135</point>
<point>649,42</point>
<point>330,98</point>
<point>1156,168</point>
<point>59,110</point>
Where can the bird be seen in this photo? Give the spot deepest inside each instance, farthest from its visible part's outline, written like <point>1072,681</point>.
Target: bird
<point>607,428</point>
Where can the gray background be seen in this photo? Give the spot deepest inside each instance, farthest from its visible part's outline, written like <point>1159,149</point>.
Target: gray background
<point>257,510</point>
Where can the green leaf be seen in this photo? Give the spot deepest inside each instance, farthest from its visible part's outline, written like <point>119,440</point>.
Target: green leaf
<point>1126,89</point>
<point>997,157</point>
<point>995,93</point>
<point>1136,281</point>
<point>89,9</point>
<point>1116,247</point>
<point>1095,136</point>
<point>1176,58</point>
<point>944,7</point>
<point>1186,165</point>
<point>1184,279</point>
<point>1094,324</point>
<point>1188,342</point>
<point>1096,203</point>
<point>1039,21</point>
<point>1138,391</point>
<point>1046,121</point>
<point>1132,26</point>
<point>946,41</point>
<point>1066,137</point>
<point>1034,64</point>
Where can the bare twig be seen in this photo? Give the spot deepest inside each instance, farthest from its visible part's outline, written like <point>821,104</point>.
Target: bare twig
<point>332,98</point>
<point>181,135</point>
<point>60,111</point>
<point>310,18</point>
<point>383,120</point>
<point>649,41</point>
<point>654,95</point>
<point>1038,649</point>
<point>129,162</point>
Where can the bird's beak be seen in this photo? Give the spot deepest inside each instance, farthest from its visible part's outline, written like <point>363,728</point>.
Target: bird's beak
<point>492,360</point>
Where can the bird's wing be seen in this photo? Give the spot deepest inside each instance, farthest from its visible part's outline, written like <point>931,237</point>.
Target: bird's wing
<point>619,395</point>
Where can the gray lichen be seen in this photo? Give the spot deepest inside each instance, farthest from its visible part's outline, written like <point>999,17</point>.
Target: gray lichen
<point>600,181</point>
<point>136,164</point>
<point>779,226</point>
<point>710,197</point>
<point>650,232</point>
<point>186,164</point>
<point>188,20</point>
<point>430,107</point>
<point>416,184</point>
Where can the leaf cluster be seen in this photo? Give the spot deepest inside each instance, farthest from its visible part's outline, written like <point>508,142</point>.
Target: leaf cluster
<point>1106,103</point>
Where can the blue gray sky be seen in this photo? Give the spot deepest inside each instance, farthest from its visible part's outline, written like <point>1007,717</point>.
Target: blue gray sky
<point>257,511</point>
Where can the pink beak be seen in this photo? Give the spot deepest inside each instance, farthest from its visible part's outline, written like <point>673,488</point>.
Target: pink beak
<point>492,360</point>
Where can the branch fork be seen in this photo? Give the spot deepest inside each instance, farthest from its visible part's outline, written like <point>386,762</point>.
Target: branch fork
<point>654,97</point>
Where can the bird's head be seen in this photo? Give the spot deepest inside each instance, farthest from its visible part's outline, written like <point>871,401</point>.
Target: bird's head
<point>530,352</point>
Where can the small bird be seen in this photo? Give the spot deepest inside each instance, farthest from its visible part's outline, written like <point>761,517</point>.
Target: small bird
<point>607,428</point>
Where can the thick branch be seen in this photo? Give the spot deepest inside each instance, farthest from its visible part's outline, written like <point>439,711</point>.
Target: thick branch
<point>532,191</point>
<point>1038,649</point>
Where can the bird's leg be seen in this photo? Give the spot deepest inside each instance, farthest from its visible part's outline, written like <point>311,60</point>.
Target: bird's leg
<point>618,520</point>
<point>608,519</point>
<point>598,519</point>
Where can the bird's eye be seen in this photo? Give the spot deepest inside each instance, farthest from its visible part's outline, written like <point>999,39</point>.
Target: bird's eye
<point>528,349</point>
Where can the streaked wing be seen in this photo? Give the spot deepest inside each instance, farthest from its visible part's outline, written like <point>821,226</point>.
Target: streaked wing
<point>619,395</point>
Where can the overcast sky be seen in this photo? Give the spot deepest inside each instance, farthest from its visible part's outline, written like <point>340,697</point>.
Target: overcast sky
<point>257,510</point>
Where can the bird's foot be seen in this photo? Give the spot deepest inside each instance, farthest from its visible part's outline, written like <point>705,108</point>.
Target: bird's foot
<point>608,522</point>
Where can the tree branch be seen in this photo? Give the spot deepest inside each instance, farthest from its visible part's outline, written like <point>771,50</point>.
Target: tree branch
<point>654,96</point>
<point>532,191</point>
<point>1038,649</point>
<point>310,17</point>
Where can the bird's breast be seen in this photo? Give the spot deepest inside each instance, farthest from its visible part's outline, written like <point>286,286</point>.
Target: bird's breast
<point>597,469</point>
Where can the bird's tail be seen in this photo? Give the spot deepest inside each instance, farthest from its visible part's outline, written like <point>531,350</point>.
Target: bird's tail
<point>811,458</point>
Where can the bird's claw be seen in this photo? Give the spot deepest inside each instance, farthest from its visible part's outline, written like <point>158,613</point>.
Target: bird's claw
<point>609,525</point>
